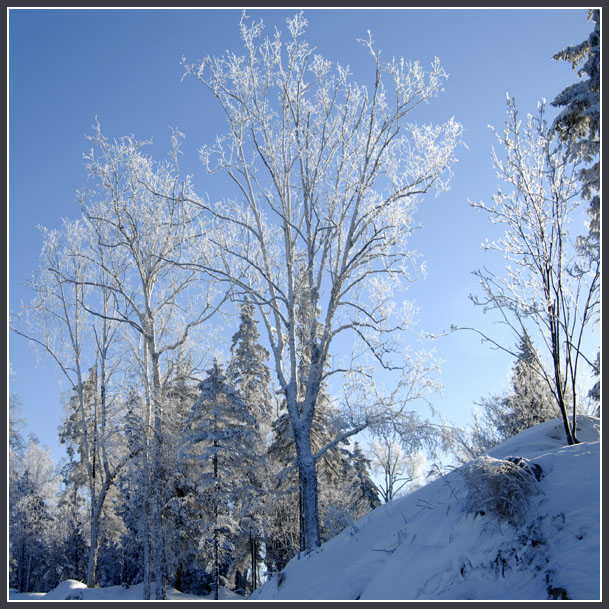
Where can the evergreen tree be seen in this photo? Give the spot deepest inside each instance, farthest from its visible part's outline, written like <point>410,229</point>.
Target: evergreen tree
<point>530,401</point>
<point>132,507</point>
<point>72,523</point>
<point>219,442</point>
<point>579,120</point>
<point>72,434</point>
<point>365,494</point>
<point>185,565</point>
<point>30,519</point>
<point>579,124</point>
<point>250,376</point>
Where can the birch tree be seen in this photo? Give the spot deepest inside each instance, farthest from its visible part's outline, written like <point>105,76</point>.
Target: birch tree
<point>327,174</point>
<point>137,215</point>
<point>550,288</point>
<point>57,323</point>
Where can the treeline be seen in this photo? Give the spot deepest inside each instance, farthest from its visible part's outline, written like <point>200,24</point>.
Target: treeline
<point>228,487</point>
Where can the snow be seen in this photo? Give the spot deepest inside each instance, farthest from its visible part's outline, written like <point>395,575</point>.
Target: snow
<point>75,590</point>
<point>426,546</point>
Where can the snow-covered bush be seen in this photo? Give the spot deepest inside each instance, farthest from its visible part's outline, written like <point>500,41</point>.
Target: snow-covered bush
<point>502,487</point>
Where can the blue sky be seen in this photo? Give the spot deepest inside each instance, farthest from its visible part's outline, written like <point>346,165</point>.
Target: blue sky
<point>68,66</point>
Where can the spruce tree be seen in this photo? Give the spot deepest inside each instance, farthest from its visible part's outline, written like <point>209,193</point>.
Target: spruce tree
<point>219,442</point>
<point>579,120</point>
<point>530,402</point>
<point>250,376</point>
<point>579,123</point>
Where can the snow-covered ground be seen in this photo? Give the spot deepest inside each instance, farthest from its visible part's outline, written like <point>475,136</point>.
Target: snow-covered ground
<point>75,590</point>
<point>427,545</point>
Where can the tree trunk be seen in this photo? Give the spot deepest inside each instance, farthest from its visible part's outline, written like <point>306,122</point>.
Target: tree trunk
<point>93,549</point>
<point>254,562</point>
<point>156,528</point>
<point>216,553</point>
<point>558,384</point>
<point>310,536</point>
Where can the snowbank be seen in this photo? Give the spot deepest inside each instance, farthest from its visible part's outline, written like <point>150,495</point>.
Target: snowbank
<point>426,546</point>
<point>75,590</point>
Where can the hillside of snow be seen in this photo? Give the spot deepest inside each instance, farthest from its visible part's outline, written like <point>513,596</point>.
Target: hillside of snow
<point>442,542</point>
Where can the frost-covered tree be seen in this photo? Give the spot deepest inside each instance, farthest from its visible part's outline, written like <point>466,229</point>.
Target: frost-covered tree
<point>57,322</point>
<point>70,555</point>
<point>364,492</point>
<point>550,288</point>
<point>327,174</point>
<point>219,442</point>
<point>346,491</point>
<point>248,370</point>
<point>250,376</point>
<point>142,235</point>
<point>530,400</point>
<point>133,486</point>
<point>32,490</point>
<point>579,121</point>
<point>16,443</point>
<point>527,402</point>
<point>394,467</point>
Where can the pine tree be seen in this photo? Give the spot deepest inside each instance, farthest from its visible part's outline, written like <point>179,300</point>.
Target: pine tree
<point>579,119</point>
<point>132,508</point>
<point>579,123</point>
<point>530,402</point>
<point>219,441</point>
<point>364,492</point>
<point>249,374</point>
<point>31,492</point>
<point>184,564</point>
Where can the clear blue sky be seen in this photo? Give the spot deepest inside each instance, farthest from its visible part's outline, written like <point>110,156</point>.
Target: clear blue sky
<point>123,66</point>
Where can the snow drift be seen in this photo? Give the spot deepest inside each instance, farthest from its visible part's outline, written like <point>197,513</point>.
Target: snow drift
<point>443,542</point>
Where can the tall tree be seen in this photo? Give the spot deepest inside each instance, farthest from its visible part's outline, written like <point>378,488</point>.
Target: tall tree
<point>249,374</point>
<point>137,215</point>
<point>57,322</point>
<point>328,175</point>
<point>550,287</point>
<point>578,123</point>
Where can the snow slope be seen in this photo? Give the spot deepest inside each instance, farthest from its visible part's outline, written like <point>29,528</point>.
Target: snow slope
<point>426,546</point>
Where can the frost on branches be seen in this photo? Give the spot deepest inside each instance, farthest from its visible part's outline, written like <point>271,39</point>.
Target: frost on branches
<point>327,177</point>
<point>550,288</point>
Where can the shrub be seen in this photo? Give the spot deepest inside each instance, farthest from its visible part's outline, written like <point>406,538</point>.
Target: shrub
<point>500,487</point>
